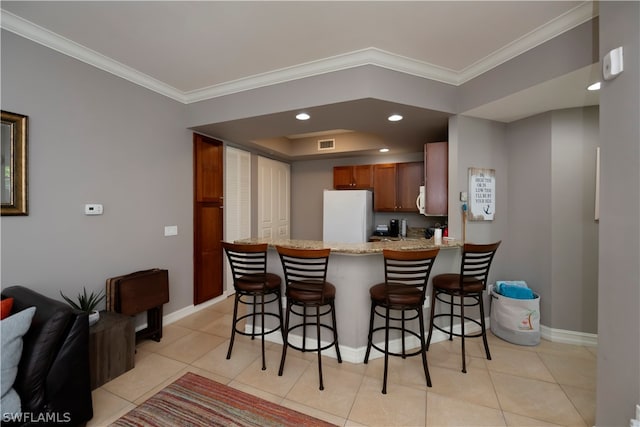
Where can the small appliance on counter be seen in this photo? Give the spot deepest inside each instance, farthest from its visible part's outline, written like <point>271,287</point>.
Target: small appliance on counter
<point>381,230</point>
<point>394,227</point>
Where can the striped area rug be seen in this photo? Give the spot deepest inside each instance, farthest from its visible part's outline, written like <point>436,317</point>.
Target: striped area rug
<point>193,400</point>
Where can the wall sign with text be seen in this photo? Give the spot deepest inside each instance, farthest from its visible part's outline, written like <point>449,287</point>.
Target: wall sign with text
<point>482,194</point>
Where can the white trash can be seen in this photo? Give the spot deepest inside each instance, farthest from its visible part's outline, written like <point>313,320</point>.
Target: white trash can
<point>515,320</point>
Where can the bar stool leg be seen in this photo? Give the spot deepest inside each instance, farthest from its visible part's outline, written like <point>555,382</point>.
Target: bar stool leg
<point>386,351</point>
<point>233,326</point>
<point>335,331</point>
<point>370,338</point>
<point>319,350</point>
<point>424,348</point>
<point>451,319</point>
<point>264,362</point>
<point>285,338</point>
<point>431,317</point>
<point>404,350</point>
<point>253,318</point>
<point>464,357</point>
<point>484,328</point>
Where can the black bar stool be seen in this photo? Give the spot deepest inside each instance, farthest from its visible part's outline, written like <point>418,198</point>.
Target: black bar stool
<point>305,272</point>
<point>252,283</point>
<point>468,284</point>
<point>405,282</point>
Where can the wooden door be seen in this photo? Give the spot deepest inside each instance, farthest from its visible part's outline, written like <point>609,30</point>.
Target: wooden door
<point>410,177</point>
<point>207,218</point>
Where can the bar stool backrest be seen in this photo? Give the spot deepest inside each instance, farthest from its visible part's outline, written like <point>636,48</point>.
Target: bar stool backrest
<point>248,261</point>
<point>476,261</point>
<point>409,268</point>
<point>306,266</point>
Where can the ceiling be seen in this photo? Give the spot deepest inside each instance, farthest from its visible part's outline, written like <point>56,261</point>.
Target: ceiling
<point>241,45</point>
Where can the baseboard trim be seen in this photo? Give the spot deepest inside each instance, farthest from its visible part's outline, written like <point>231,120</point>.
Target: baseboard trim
<point>356,354</point>
<point>569,337</point>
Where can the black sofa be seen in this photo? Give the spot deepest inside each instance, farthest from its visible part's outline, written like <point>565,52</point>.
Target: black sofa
<point>53,379</point>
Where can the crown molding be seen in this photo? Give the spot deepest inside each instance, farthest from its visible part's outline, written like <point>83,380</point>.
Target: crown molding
<point>561,24</point>
<point>37,34</point>
<point>369,56</point>
<point>358,58</point>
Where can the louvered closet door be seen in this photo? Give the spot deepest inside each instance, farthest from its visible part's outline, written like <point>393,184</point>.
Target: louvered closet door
<point>237,190</point>
<point>273,198</point>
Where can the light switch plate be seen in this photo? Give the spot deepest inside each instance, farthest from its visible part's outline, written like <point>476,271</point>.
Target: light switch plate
<point>171,230</point>
<point>613,63</point>
<point>93,209</point>
<point>463,196</point>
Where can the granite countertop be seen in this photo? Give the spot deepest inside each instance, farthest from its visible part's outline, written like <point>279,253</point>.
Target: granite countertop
<point>358,248</point>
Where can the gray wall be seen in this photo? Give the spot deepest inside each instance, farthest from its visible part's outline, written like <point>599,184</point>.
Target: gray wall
<point>551,214</point>
<point>574,230</point>
<point>479,143</point>
<point>618,380</point>
<point>529,205</point>
<point>95,138</point>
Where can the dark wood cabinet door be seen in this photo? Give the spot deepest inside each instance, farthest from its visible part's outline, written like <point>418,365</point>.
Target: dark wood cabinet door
<point>359,177</point>
<point>342,177</point>
<point>436,164</point>
<point>208,254</point>
<point>363,176</point>
<point>208,169</point>
<point>207,219</point>
<point>409,178</point>
<point>384,187</point>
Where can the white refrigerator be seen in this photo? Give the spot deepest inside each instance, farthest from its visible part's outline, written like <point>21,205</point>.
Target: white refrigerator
<point>347,216</point>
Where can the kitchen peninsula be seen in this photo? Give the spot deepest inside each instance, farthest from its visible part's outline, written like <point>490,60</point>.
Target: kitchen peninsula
<point>353,269</point>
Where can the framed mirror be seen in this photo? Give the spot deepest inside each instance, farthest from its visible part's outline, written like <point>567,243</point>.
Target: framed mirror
<point>13,192</point>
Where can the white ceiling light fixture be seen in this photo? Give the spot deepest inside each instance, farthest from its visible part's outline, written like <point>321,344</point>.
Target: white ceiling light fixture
<point>394,118</point>
<point>594,86</point>
<point>303,116</point>
<point>384,150</point>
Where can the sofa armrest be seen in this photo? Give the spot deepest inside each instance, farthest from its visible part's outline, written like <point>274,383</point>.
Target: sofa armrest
<point>53,375</point>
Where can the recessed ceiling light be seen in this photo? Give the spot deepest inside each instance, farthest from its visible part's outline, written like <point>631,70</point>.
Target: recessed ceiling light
<point>594,86</point>
<point>394,118</point>
<point>384,150</point>
<point>303,116</point>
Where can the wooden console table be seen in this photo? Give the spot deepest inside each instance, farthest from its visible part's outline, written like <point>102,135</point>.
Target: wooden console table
<point>111,347</point>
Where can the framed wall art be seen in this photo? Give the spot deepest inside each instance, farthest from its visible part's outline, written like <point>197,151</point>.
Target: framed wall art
<point>13,191</point>
<point>482,194</point>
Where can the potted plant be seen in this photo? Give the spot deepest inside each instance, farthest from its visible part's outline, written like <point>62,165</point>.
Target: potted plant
<point>87,303</point>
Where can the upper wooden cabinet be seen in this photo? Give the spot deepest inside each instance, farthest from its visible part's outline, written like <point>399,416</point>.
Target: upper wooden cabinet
<point>396,186</point>
<point>352,177</point>
<point>436,182</point>
<point>207,165</point>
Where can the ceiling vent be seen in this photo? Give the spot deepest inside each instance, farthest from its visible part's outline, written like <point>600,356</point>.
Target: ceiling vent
<point>326,144</point>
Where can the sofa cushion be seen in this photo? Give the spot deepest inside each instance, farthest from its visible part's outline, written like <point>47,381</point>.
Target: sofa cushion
<point>12,329</point>
<point>42,342</point>
<point>5,307</point>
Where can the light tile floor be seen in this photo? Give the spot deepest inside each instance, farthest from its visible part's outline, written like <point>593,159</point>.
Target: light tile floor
<point>547,385</point>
